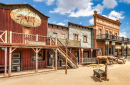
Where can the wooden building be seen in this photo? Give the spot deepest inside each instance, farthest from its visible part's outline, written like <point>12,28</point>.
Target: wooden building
<point>82,43</point>
<point>23,38</point>
<point>107,37</point>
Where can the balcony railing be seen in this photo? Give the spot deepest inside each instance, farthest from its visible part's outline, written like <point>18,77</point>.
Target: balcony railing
<point>21,38</point>
<point>112,37</point>
<point>88,60</point>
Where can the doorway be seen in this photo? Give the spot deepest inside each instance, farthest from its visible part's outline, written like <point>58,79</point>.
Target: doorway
<point>16,61</point>
<point>77,56</point>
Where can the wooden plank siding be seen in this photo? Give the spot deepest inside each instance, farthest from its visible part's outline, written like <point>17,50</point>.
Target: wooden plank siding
<point>26,59</point>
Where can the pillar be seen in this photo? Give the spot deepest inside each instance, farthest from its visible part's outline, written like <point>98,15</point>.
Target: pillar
<point>113,49</point>
<point>79,56</point>
<point>82,54</point>
<point>55,59</point>
<point>5,72</point>
<point>10,58</point>
<point>91,55</point>
<point>127,51</point>
<point>122,50</point>
<point>107,48</point>
<point>36,60</point>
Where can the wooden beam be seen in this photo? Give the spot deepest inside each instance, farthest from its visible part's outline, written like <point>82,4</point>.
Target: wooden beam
<point>36,60</point>
<point>5,72</point>
<point>10,58</point>
<point>55,59</point>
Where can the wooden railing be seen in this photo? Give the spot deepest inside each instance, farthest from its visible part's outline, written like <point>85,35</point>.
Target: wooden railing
<point>112,37</point>
<point>22,38</point>
<point>88,60</point>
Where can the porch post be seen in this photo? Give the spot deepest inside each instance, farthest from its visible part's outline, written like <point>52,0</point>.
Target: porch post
<point>91,54</point>
<point>79,56</point>
<point>36,60</point>
<point>107,48</point>
<point>10,57</point>
<point>127,51</point>
<point>55,59</point>
<point>5,74</point>
<point>82,55</point>
<point>122,50</point>
<point>113,48</point>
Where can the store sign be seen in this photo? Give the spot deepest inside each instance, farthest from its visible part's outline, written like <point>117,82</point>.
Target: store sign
<point>25,17</point>
<point>118,47</point>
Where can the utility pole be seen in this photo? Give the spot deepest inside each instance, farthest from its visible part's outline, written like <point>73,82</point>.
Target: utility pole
<point>66,56</point>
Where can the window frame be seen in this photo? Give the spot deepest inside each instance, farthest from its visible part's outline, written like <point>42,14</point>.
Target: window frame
<point>77,36</point>
<point>86,39</point>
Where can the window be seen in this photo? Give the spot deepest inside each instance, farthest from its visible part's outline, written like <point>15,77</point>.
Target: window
<point>84,38</point>
<point>115,34</point>
<point>100,31</point>
<point>110,33</point>
<point>54,34</point>
<point>106,32</point>
<point>62,36</point>
<point>41,55</point>
<point>76,37</point>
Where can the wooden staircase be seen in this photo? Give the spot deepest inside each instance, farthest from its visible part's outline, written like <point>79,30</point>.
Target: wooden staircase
<point>71,59</point>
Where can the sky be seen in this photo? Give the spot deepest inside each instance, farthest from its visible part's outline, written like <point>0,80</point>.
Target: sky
<point>81,11</point>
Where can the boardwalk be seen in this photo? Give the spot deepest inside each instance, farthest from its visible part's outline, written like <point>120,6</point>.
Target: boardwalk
<point>118,75</point>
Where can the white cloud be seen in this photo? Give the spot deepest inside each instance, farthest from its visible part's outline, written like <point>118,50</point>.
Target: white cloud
<point>91,21</point>
<point>109,3</point>
<point>61,24</point>
<point>76,8</point>
<point>66,20</point>
<point>48,2</point>
<point>115,15</point>
<point>126,1</point>
<point>38,0</point>
<point>123,34</point>
<point>54,22</point>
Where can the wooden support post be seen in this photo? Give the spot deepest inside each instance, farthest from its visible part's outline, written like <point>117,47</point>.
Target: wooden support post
<point>82,55</point>
<point>50,40</point>
<point>5,36</point>
<point>79,56</point>
<point>91,54</point>
<point>10,37</point>
<point>55,59</point>
<point>36,60</point>
<point>36,37</point>
<point>56,41</point>
<point>10,58</point>
<point>5,72</point>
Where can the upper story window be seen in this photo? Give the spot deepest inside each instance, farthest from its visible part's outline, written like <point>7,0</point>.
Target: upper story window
<point>76,37</point>
<point>54,34</point>
<point>84,38</point>
<point>62,36</point>
<point>115,34</point>
<point>106,32</point>
<point>110,33</point>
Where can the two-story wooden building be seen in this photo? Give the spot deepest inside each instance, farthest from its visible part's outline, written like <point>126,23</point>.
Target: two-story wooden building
<point>82,43</point>
<point>23,38</point>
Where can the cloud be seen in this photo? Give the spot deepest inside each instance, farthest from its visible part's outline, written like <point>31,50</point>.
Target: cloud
<point>91,21</point>
<point>80,23</point>
<point>38,0</point>
<point>61,24</point>
<point>48,2</point>
<point>78,9</point>
<point>109,3</point>
<point>123,34</point>
<point>66,20</point>
<point>115,15</point>
<point>125,1</point>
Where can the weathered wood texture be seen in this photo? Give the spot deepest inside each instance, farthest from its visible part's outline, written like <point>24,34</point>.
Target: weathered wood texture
<point>26,59</point>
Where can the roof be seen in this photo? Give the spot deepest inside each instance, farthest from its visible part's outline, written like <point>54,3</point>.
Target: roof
<point>23,5</point>
<point>78,25</point>
<point>57,25</point>
<point>106,18</point>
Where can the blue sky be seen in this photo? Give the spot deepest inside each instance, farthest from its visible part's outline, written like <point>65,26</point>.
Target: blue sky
<point>81,11</point>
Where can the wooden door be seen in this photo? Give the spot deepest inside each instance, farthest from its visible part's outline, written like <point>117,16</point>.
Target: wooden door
<point>16,61</point>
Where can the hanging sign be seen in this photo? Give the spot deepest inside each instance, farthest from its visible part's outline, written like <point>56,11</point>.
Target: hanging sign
<point>25,17</point>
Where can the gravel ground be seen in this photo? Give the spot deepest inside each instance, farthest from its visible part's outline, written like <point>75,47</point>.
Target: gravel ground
<point>119,74</point>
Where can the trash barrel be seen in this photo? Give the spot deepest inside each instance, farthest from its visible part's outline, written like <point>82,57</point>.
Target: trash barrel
<point>18,69</point>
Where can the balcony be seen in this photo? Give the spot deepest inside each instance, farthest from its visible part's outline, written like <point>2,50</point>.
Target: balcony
<point>104,37</point>
<point>14,38</point>
<point>71,42</point>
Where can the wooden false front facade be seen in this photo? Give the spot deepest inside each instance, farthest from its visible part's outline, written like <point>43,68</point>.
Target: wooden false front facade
<point>23,31</point>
